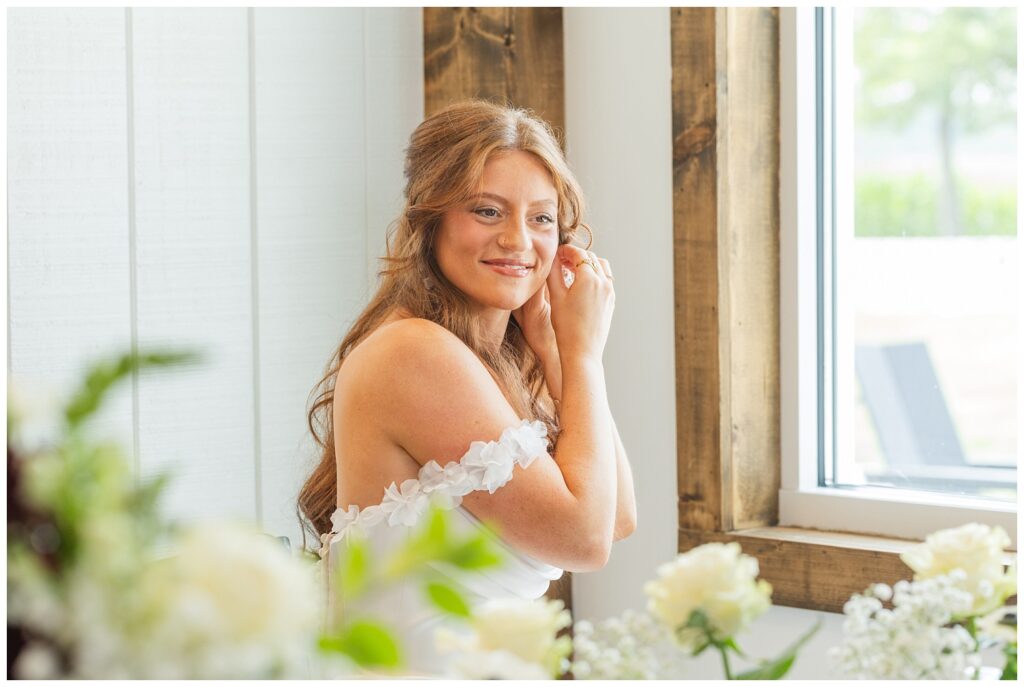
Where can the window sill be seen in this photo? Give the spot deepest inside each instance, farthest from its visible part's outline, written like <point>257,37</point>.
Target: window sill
<point>889,512</point>
<point>816,569</point>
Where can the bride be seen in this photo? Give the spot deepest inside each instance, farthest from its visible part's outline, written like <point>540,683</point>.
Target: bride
<point>476,370</point>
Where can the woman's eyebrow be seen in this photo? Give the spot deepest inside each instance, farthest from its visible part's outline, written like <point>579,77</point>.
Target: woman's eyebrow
<point>500,199</point>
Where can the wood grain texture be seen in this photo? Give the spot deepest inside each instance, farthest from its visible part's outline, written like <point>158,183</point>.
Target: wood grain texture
<point>695,231</point>
<point>748,203</point>
<point>814,573</point>
<point>817,569</point>
<point>195,277</point>
<point>505,54</point>
<point>725,200</point>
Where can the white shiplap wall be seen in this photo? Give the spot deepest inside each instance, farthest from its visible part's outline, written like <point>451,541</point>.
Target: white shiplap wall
<point>69,269</point>
<point>219,179</point>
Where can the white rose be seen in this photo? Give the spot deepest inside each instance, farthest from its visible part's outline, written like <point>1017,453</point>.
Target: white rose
<point>526,629</point>
<point>232,602</point>
<point>714,578</point>
<point>978,551</point>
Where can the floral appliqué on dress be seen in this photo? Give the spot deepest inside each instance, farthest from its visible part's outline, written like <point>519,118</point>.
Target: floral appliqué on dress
<point>486,465</point>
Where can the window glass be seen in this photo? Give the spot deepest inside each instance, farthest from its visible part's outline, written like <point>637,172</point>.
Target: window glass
<point>929,267</point>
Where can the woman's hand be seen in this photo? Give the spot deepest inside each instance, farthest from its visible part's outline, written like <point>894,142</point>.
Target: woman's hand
<point>534,318</point>
<point>580,314</point>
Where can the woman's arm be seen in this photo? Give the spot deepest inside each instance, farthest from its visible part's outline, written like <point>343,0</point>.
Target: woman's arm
<point>625,500</point>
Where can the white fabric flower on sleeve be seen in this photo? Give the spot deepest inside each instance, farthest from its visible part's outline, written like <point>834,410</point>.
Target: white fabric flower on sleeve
<point>489,465</point>
<point>404,505</point>
<point>342,519</point>
<point>458,481</point>
<point>431,477</point>
<point>526,442</point>
<point>446,485</point>
<point>370,516</point>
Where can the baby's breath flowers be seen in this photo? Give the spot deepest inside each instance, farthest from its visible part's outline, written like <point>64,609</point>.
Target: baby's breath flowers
<point>632,646</point>
<point>910,641</point>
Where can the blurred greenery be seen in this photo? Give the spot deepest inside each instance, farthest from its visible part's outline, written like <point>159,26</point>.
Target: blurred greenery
<point>77,501</point>
<point>908,205</point>
<point>358,574</point>
<point>958,64</point>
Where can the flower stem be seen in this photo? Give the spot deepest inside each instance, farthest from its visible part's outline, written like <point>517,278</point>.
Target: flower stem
<point>725,660</point>
<point>973,631</point>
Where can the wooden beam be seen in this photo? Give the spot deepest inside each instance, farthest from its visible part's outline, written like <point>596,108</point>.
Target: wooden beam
<point>505,54</point>
<point>725,119</point>
<point>817,569</point>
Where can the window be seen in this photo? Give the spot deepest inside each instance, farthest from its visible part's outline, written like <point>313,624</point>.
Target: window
<point>899,263</point>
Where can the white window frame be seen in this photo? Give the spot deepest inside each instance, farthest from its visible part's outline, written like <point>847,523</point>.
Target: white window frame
<point>802,502</point>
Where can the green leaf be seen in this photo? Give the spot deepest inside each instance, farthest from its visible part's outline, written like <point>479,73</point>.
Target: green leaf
<point>354,571</point>
<point>1010,669</point>
<point>436,533</point>
<point>702,648</point>
<point>774,670</point>
<point>474,554</point>
<point>365,642</point>
<point>447,599</point>
<point>731,643</point>
<point>102,375</point>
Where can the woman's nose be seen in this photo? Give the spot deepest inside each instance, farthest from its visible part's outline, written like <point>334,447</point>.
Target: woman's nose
<point>516,234</point>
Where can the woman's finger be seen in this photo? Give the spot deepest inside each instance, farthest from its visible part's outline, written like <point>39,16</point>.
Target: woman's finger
<point>597,263</point>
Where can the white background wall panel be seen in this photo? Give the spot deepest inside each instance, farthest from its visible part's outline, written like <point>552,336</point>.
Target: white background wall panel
<point>193,232</point>
<point>311,200</point>
<point>619,143</point>
<point>394,106</point>
<point>67,223</point>
<point>216,179</point>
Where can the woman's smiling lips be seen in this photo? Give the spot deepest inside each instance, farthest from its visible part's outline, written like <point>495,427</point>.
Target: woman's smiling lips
<point>510,268</point>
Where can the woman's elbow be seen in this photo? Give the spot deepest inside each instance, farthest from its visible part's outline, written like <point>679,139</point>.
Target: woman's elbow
<point>598,556</point>
<point>625,526</point>
<point>589,555</point>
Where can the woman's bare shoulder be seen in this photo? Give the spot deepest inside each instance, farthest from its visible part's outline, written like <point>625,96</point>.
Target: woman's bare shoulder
<point>421,380</point>
<point>417,343</point>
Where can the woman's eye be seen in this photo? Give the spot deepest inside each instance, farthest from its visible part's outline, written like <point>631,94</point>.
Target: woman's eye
<point>484,213</point>
<point>547,219</point>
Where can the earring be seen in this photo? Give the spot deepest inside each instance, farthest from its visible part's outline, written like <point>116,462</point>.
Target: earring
<point>590,235</point>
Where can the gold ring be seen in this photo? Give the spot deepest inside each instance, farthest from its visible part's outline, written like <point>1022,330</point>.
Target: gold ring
<point>588,262</point>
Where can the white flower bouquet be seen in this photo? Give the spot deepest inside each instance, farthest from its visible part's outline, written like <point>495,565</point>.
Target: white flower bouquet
<point>701,599</point>
<point>509,639</point>
<point>89,598</point>
<point>939,621</point>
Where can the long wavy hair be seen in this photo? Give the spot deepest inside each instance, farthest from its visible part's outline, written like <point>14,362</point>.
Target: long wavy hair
<point>444,165</point>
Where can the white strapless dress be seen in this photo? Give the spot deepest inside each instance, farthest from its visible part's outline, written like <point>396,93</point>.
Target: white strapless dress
<point>402,607</point>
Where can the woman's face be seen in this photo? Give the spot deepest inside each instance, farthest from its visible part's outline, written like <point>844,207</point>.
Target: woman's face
<point>513,220</point>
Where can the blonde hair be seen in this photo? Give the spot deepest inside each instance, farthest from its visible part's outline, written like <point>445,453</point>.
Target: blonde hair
<point>444,164</point>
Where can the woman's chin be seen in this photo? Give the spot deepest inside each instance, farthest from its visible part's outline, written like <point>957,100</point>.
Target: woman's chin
<point>511,301</point>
